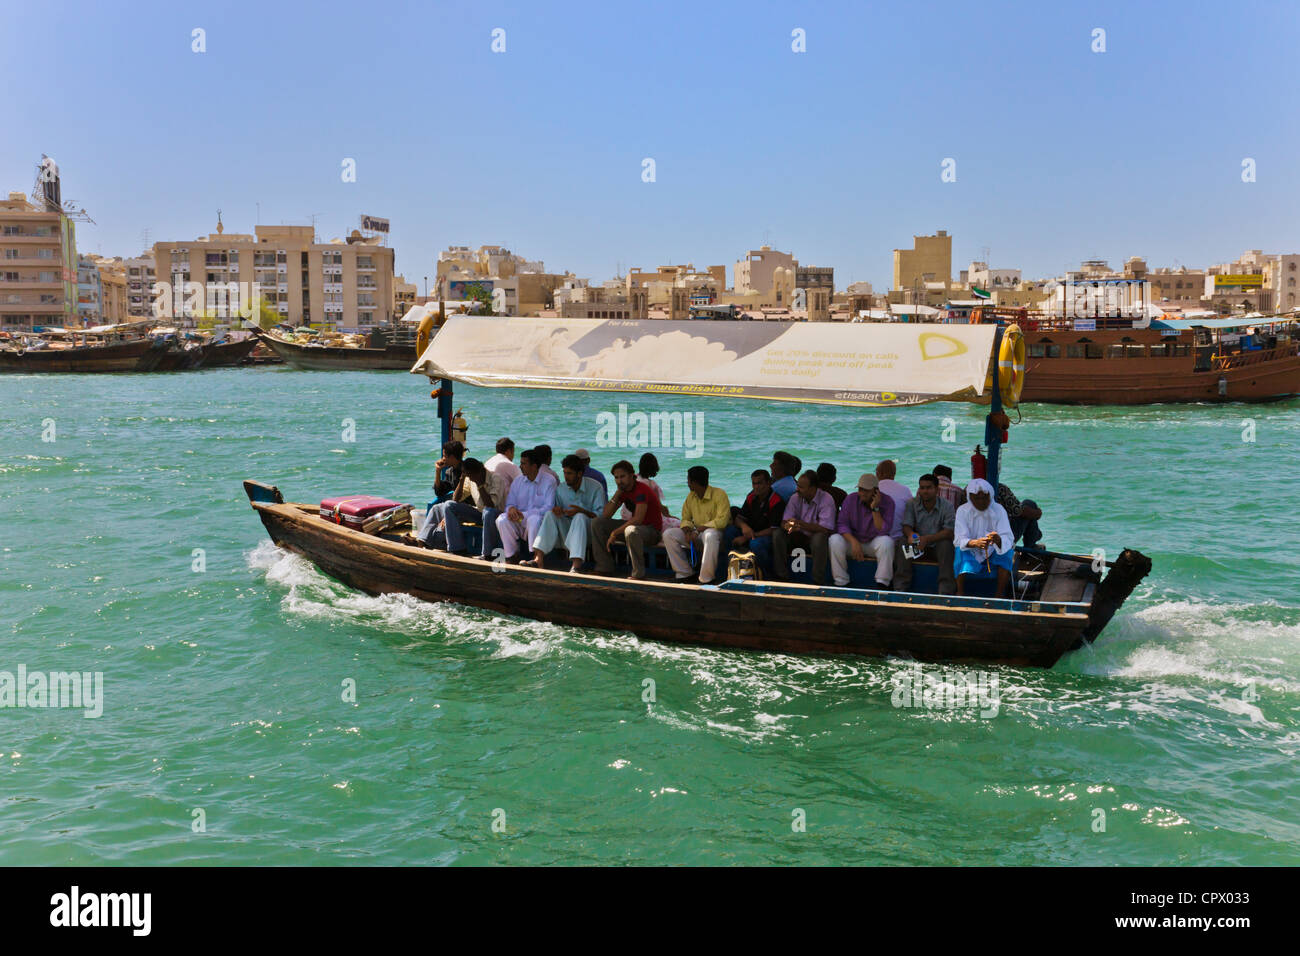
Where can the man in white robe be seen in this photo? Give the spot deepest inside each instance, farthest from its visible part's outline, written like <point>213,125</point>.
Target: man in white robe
<point>983,538</point>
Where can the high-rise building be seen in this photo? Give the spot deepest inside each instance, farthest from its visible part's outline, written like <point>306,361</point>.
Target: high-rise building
<point>38,266</point>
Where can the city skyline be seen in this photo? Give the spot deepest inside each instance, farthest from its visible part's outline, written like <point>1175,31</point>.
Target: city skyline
<point>1068,155</point>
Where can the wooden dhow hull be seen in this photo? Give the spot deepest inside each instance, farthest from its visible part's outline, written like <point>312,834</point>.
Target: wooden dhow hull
<point>1150,379</point>
<point>225,354</point>
<point>135,355</point>
<point>790,619</point>
<point>324,358</point>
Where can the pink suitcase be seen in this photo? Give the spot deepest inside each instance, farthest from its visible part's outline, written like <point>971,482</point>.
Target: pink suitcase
<point>354,510</point>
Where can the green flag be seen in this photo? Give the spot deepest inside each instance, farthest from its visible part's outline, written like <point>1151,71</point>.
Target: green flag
<point>980,293</point>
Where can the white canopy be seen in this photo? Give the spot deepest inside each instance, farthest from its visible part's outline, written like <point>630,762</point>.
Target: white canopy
<point>866,364</point>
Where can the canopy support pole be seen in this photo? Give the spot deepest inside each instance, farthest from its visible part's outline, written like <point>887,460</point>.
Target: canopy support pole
<point>993,434</point>
<point>444,410</point>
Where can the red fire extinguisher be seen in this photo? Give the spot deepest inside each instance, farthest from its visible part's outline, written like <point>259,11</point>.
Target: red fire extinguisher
<point>978,464</point>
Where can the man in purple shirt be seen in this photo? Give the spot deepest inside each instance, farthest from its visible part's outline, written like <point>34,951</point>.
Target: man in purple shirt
<point>864,526</point>
<point>808,523</point>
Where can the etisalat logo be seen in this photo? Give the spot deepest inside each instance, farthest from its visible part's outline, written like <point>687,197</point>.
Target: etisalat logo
<point>947,689</point>
<point>651,430</point>
<point>77,909</point>
<point>55,689</point>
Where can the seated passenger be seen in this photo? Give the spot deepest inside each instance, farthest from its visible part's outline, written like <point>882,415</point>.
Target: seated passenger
<point>826,475</point>
<point>446,471</point>
<point>863,525</point>
<point>785,470</point>
<point>885,472</point>
<point>808,522</point>
<point>503,462</point>
<point>1023,515</point>
<point>928,523</point>
<point>647,470</point>
<point>577,503</point>
<point>478,493</point>
<point>545,457</point>
<point>755,521</point>
<point>639,531</point>
<point>983,538</point>
<point>531,496</point>
<point>705,514</point>
<point>947,490</point>
<point>589,472</point>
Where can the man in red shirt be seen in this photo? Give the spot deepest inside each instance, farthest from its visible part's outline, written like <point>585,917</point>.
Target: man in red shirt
<point>642,530</point>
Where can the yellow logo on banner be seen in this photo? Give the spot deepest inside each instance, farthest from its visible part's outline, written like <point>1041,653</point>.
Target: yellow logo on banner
<point>926,338</point>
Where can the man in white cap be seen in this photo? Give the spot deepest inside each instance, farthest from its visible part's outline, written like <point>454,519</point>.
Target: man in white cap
<point>590,472</point>
<point>983,538</point>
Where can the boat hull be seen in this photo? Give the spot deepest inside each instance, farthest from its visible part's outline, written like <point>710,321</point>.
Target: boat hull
<point>808,621</point>
<point>137,355</point>
<point>225,354</point>
<point>317,358</point>
<point>1151,380</point>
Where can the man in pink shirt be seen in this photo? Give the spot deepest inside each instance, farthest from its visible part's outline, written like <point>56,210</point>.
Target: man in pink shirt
<point>808,523</point>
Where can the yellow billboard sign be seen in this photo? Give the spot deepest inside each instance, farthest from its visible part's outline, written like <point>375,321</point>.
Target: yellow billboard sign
<point>1250,280</point>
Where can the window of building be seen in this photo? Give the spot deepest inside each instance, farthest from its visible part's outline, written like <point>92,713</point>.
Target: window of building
<point>1181,349</point>
<point>1036,351</point>
<point>1053,351</point>
<point>11,253</point>
<point>1135,351</point>
<point>1114,351</point>
<point>13,230</point>
<point>1159,351</point>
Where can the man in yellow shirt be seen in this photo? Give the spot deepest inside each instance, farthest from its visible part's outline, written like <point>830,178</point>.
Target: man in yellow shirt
<point>705,514</point>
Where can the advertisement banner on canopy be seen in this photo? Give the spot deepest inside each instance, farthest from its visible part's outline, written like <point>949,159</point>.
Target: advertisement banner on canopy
<point>868,364</point>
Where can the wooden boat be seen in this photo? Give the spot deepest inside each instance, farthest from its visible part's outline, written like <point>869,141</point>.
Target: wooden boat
<point>1117,361</point>
<point>201,351</point>
<point>88,352</point>
<point>311,356</point>
<point>785,618</point>
<point>1060,603</point>
<point>227,352</point>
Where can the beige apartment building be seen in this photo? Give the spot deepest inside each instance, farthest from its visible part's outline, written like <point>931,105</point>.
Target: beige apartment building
<point>757,271</point>
<point>140,275</point>
<point>38,266</point>
<point>340,284</point>
<point>405,295</point>
<point>112,275</point>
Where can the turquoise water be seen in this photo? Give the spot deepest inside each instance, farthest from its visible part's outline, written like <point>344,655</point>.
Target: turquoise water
<point>223,687</point>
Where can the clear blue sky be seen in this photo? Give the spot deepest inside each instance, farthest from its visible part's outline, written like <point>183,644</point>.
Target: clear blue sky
<point>1062,153</point>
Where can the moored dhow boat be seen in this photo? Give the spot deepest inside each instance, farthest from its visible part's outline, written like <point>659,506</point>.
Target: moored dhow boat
<point>1060,600</point>
<point>307,349</point>
<point>190,350</point>
<point>1119,360</point>
<point>101,349</point>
